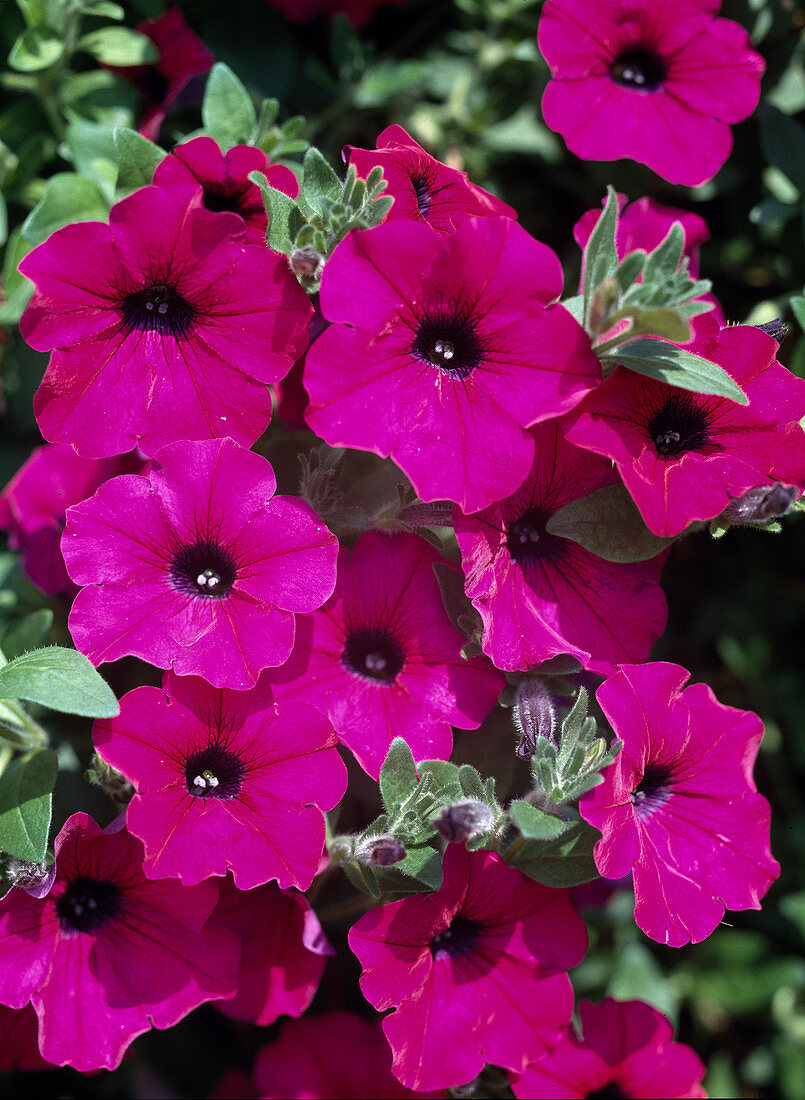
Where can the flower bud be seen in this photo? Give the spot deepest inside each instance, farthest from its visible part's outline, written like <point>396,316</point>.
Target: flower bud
<point>464,820</point>
<point>760,504</point>
<point>777,328</point>
<point>534,715</point>
<point>35,878</point>
<point>307,261</point>
<point>109,779</point>
<point>380,851</point>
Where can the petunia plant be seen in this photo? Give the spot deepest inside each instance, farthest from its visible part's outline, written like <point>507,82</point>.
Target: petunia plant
<point>360,493</point>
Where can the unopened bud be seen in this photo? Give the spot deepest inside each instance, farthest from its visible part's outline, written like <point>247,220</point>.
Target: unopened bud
<point>115,785</point>
<point>777,328</point>
<point>534,715</point>
<point>464,820</point>
<point>306,261</point>
<point>35,878</point>
<point>760,504</point>
<point>380,851</point>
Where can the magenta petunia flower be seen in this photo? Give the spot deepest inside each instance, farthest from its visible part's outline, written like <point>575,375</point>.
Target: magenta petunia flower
<point>164,325</point>
<point>655,81</point>
<point>182,55</point>
<point>335,1054</point>
<point>224,783</point>
<point>33,506</point>
<point>540,595</point>
<point>443,355</point>
<point>108,953</point>
<point>198,567</point>
<point>475,971</point>
<point>382,660</point>
<point>626,1049</point>
<point>285,951</point>
<point>678,806</point>
<point>684,456</point>
<point>224,178</point>
<point>422,187</point>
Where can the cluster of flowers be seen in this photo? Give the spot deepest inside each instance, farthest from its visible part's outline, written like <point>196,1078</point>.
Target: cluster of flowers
<point>166,328</point>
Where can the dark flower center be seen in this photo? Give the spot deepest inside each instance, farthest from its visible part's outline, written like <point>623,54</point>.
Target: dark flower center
<point>88,904</point>
<point>448,342</point>
<point>653,790</point>
<point>158,308</point>
<point>220,201</point>
<point>610,1091</point>
<point>373,655</point>
<point>679,426</point>
<point>458,939</point>
<point>215,772</point>
<point>421,186</point>
<point>639,68</point>
<point>204,569</point>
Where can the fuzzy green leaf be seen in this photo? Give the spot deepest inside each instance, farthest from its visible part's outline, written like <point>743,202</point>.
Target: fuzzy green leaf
<point>120,46</point>
<point>68,198</point>
<point>424,864</point>
<point>61,679</point>
<point>565,861</point>
<point>320,185</point>
<point>36,49</point>
<point>601,255</point>
<point>608,524</point>
<point>227,112</point>
<point>26,787</point>
<point>285,219</point>
<point>398,776</point>
<point>137,158</point>
<point>20,635</point>
<point>675,366</point>
<point>535,824</point>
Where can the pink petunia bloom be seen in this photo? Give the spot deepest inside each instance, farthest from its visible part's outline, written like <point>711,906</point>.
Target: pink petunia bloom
<point>475,971</point>
<point>422,187</point>
<point>540,595</point>
<point>285,951</point>
<point>182,55</point>
<point>223,782</point>
<point>164,325</point>
<point>335,1054</point>
<point>33,506</point>
<point>679,806</point>
<point>684,456</point>
<point>224,178</point>
<point>359,12</point>
<point>657,81</point>
<point>108,953</point>
<point>443,355</point>
<point>198,567</point>
<point>382,660</point>
<point>626,1049</point>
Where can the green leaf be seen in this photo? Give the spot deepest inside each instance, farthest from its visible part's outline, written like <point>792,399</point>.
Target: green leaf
<point>607,523</point>
<point>92,151</point>
<point>20,635</point>
<point>630,268</point>
<point>471,783</point>
<point>600,255</point>
<point>137,158</point>
<point>320,185</point>
<point>26,787</point>
<point>102,9</point>
<point>798,309</point>
<point>68,198</point>
<point>37,48</point>
<point>445,775</point>
<point>783,143</point>
<point>668,363</point>
<point>16,287</point>
<point>362,878</point>
<point>119,46</point>
<point>565,861</point>
<point>661,264</point>
<point>228,113</point>
<point>534,824</point>
<point>61,679</point>
<point>398,776</point>
<point>423,864</point>
<point>667,323</point>
<point>285,219</point>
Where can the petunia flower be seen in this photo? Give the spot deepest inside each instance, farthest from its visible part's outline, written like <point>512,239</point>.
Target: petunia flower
<point>540,595</point>
<point>679,806</point>
<point>198,567</point>
<point>182,55</point>
<point>685,456</point>
<point>164,325</point>
<point>443,352</point>
<point>284,955</point>
<point>382,660</point>
<point>224,178</point>
<point>657,81</point>
<point>33,506</point>
<point>108,953</point>
<point>223,782</point>
<point>475,971</point>
<point>334,1054</point>
<point>422,187</point>
<point>626,1049</point>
